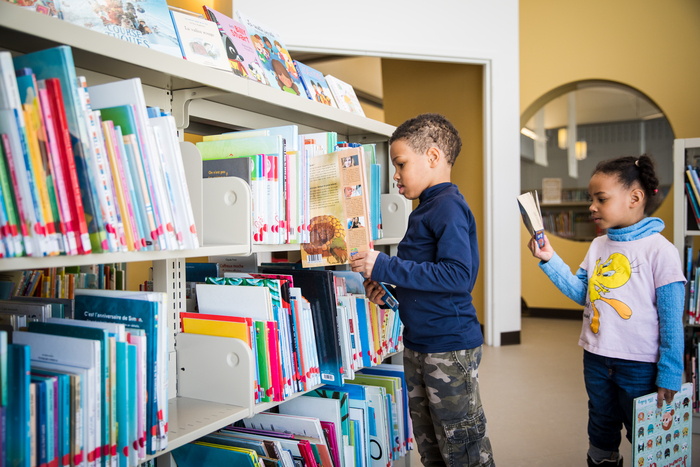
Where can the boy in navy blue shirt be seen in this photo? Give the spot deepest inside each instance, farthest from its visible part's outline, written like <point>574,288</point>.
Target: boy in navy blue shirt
<point>434,273</point>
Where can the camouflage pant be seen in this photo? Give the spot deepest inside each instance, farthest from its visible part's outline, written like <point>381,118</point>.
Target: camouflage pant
<point>449,425</point>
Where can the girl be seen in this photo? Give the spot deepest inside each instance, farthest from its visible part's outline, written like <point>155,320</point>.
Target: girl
<point>632,286</point>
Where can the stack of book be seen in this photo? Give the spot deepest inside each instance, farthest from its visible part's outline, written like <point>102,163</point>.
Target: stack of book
<point>90,391</point>
<point>357,425</point>
<point>304,327</point>
<point>298,182</point>
<point>85,169</point>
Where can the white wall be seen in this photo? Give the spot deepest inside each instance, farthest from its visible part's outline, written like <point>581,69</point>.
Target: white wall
<point>468,31</point>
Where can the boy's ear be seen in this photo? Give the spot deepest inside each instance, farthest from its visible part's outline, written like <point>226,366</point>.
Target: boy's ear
<point>434,156</point>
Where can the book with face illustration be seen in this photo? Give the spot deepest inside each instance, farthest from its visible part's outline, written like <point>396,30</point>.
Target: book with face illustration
<point>240,51</point>
<point>273,56</point>
<point>315,84</point>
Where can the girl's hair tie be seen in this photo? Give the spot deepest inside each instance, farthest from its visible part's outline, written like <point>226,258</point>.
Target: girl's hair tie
<point>636,162</point>
<point>656,191</point>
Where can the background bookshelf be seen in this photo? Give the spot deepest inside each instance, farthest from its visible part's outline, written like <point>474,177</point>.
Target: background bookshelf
<point>685,152</point>
<point>206,101</point>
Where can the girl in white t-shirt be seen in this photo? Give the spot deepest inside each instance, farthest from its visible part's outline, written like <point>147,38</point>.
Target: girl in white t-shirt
<point>631,284</point>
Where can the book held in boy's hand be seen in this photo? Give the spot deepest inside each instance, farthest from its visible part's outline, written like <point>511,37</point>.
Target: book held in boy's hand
<point>532,216</point>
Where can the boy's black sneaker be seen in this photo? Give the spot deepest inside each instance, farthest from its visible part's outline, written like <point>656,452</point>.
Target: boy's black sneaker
<point>605,463</point>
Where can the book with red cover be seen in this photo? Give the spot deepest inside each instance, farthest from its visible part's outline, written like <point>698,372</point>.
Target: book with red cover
<point>70,175</point>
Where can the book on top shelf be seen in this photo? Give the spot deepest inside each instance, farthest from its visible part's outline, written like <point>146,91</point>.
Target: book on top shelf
<point>146,22</point>
<point>200,41</point>
<point>532,216</point>
<point>273,57</point>
<point>45,7</point>
<point>315,84</point>
<point>344,95</point>
<point>240,51</point>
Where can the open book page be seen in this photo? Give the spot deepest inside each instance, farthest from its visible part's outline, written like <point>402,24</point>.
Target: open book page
<point>532,217</point>
<point>339,224</point>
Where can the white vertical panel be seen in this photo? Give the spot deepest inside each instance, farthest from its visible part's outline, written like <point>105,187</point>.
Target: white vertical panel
<point>540,139</point>
<point>573,163</point>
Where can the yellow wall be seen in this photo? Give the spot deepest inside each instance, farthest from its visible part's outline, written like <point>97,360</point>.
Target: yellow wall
<point>454,90</point>
<point>651,46</point>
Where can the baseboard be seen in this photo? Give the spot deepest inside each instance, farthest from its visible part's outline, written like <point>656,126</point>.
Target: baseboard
<point>507,338</point>
<point>553,313</point>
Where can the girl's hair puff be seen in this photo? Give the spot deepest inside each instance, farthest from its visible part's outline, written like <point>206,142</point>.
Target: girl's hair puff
<point>630,169</point>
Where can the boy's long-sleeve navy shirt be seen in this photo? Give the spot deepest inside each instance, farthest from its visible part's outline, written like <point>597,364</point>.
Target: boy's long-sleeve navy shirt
<point>434,273</point>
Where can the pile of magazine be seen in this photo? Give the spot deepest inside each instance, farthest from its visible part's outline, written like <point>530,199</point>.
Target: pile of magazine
<point>85,169</point>
<point>90,391</point>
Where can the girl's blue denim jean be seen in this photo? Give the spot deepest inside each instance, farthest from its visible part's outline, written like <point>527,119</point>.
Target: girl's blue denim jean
<point>612,385</point>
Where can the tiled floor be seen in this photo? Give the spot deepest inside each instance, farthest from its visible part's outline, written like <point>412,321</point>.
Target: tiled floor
<point>535,401</point>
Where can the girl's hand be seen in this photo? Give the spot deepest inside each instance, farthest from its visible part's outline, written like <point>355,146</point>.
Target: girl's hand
<point>545,253</point>
<point>374,291</point>
<point>664,395</point>
<point>364,263</point>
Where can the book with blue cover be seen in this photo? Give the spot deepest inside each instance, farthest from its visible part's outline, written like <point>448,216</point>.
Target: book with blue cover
<point>102,336</point>
<point>146,22</point>
<point>315,85</point>
<point>58,63</point>
<point>63,401</point>
<point>18,422</point>
<point>133,437</point>
<point>123,403</point>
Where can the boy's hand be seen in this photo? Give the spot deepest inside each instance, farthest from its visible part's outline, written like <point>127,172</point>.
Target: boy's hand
<point>364,263</point>
<point>545,253</point>
<point>374,291</point>
<point>664,395</point>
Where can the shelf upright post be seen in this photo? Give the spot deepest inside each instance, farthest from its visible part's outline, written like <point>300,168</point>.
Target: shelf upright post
<point>169,277</point>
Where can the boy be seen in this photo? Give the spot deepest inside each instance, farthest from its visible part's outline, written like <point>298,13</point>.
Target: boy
<point>435,269</point>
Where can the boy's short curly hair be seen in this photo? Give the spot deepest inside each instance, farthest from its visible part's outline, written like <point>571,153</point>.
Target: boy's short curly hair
<point>429,130</point>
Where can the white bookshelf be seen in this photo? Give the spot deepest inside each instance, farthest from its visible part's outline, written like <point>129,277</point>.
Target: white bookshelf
<point>202,398</point>
<point>681,234</point>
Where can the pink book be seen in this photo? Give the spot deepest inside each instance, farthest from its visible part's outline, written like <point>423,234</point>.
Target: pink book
<point>275,360</point>
<point>329,431</point>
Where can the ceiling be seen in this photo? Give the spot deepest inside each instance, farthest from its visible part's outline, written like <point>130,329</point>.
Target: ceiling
<point>599,104</point>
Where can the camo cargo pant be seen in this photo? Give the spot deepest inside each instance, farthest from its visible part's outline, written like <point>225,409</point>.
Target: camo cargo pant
<point>449,425</point>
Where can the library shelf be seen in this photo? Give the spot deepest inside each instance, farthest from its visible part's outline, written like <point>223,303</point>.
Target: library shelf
<point>186,80</point>
<point>25,262</point>
<point>190,419</point>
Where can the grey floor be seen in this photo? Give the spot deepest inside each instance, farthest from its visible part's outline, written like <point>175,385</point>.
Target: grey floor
<point>535,400</point>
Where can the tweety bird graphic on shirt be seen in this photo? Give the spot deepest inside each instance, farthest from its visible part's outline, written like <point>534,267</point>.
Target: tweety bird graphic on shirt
<point>612,274</point>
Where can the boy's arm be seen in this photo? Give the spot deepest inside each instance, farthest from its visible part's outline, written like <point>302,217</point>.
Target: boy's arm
<point>669,303</point>
<point>452,268</point>
<point>574,287</point>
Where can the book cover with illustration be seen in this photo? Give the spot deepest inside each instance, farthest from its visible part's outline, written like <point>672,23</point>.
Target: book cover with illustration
<point>315,84</point>
<point>200,41</point>
<point>45,7</point>
<point>532,216</point>
<point>344,95</point>
<point>663,437</point>
<point>273,57</point>
<point>240,51</point>
<point>143,22</point>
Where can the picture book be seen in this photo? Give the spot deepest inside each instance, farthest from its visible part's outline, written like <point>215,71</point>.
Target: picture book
<point>315,84</point>
<point>45,7</point>
<point>146,22</point>
<point>532,216</point>
<point>240,51</point>
<point>273,57</point>
<point>200,41</point>
<point>663,437</point>
<point>344,95</point>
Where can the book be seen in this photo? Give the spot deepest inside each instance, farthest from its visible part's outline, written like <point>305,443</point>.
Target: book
<point>339,226</point>
<point>315,85</point>
<point>663,435</point>
<point>273,57</point>
<point>146,23</point>
<point>231,167</point>
<point>200,41</point>
<point>532,216</point>
<point>344,95</point>
<point>240,51</point>
<point>58,63</point>
<point>18,422</point>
